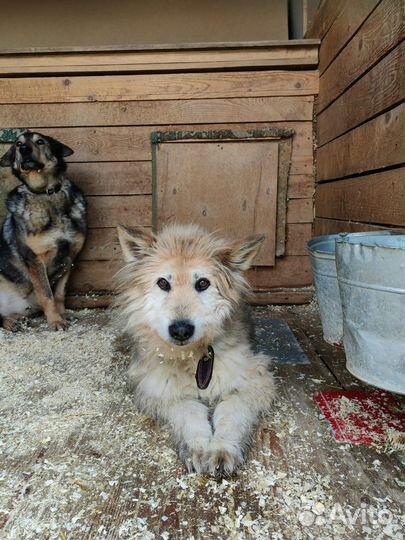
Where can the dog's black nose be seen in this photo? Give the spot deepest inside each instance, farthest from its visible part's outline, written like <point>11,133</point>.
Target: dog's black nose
<point>181,330</point>
<point>25,149</point>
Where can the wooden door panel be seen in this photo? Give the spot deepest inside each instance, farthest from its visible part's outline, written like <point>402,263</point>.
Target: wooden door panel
<point>229,186</point>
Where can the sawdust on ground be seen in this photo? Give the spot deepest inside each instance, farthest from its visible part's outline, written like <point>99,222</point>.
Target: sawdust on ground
<point>77,460</point>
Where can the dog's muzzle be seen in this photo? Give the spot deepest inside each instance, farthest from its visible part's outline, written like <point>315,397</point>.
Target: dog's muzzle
<point>28,165</point>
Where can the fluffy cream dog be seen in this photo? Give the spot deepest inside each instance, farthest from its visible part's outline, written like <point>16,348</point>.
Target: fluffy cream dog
<point>181,297</point>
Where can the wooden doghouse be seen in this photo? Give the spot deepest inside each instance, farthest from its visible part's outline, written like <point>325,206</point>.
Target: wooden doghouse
<point>255,101</point>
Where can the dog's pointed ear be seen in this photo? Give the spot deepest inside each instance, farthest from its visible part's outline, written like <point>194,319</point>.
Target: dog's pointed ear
<point>241,255</point>
<point>7,159</point>
<point>135,243</point>
<point>58,148</point>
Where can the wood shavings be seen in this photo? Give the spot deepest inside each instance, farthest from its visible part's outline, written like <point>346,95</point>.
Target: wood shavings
<point>82,485</point>
<point>80,463</point>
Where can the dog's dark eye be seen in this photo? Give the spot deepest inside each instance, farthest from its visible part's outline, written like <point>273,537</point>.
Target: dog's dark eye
<point>163,284</point>
<point>18,143</point>
<point>202,284</point>
<point>40,141</point>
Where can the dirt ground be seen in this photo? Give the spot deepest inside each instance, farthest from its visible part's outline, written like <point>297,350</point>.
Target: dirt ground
<point>78,462</point>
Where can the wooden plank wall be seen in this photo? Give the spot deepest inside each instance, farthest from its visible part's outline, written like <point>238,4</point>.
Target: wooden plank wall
<point>361,116</point>
<point>108,119</point>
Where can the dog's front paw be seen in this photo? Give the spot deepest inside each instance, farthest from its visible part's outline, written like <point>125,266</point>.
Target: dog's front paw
<point>10,324</point>
<point>194,455</point>
<point>223,458</point>
<point>58,323</point>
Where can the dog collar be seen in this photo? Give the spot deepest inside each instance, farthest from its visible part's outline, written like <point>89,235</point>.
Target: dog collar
<point>205,368</point>
<point>55,189</point>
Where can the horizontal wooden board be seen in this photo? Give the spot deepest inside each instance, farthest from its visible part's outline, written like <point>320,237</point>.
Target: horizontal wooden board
<point>256,298</point>
<point>301,186</point>
<point>107,212</point>
<point>375,198</point>
<point>112,178</point>
<point>130,210</point>
<point>379,89</point>
<point>348,21</point>
<point>377,144</point>
<point>282,297</point>
<point>298,234</point>
<point>88,301</point>
<point>323,226</point>
<point>302,165</point>
<point>102,244</point>
<point>149,61</point>
<point>300,211</point>
<point>135,178</point>
<point>292,271</point>
<point>323,18</point>
<point>380,33</point>
<point>151,87</point>
<point>202,45</point>
<point>176,111</point>
<point>133,143</point>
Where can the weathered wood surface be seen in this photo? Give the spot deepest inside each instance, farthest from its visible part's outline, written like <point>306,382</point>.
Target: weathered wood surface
<point>298,234</point>
<point>300,211</point>
<point>361,119</point>
<point>380,89</point>
<point>112,178</point>
<point>109,210</point>
<point>288,296</point>
<point>157,87</point>
<point>379,34</point>
<point>143,47</point>
<point>135,178</point>
<point>344,26</point>
<point>301,186</point>
<point>133,143</point>
<point>324,18</point>
<point>228,186</point>
<point>377,144</point>
<point>84,439</point>
<point>108,119</point>
<point>102,243</point>
<point>160,112</point>
<point>136,210</point>
<point>324,226</point>
<point>294,271</point>
<point>376,198</point>
<point>144,61</point>
<point>291,271</point>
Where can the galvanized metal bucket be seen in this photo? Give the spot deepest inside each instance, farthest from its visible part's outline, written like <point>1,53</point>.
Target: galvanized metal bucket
<point>322,251</point>
<point>371,275</point>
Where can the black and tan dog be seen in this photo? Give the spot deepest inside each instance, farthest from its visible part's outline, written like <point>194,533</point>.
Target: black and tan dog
<point>44,230</point>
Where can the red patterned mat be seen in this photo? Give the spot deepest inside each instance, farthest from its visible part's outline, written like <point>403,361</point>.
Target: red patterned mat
<point>364,418</point>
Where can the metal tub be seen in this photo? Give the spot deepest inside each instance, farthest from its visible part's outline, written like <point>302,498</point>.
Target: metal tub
<point>371,275</point>
<point>322,251</point>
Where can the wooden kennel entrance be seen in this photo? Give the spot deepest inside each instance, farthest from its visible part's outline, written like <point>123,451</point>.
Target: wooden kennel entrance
<point>107,103</point>
<point>231,181</point>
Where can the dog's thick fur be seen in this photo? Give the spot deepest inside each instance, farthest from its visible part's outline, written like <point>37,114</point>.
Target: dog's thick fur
<point>44,230</point>
<point>212,427</point>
